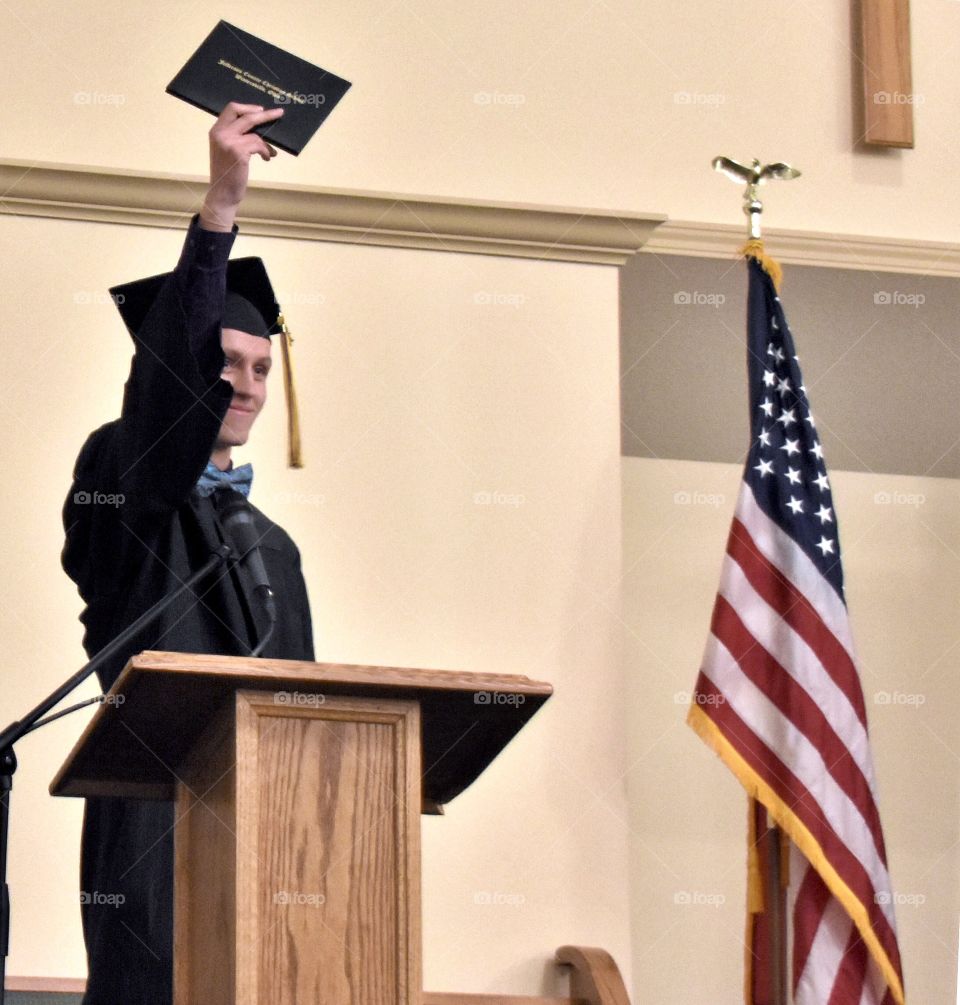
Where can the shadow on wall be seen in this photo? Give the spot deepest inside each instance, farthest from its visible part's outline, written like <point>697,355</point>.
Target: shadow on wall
<point>880,353</point>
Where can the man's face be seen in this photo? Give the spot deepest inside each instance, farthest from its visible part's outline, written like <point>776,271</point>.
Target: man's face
<point>246,366</point>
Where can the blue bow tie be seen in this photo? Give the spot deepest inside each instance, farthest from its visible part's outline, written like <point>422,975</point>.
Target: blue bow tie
<point>240,479</point>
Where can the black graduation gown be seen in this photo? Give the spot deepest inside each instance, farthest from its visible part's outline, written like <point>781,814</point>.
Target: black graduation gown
<point>135,530</point>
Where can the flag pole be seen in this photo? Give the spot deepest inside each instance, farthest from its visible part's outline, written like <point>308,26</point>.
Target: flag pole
<point>775,913</point>
<point>774,892</point>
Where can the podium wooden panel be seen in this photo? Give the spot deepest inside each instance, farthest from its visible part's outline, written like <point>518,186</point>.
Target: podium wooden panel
<point>311,813</point>
<point>298,789</point>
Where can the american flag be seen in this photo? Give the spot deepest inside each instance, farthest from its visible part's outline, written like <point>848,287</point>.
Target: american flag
<point>779,698</point>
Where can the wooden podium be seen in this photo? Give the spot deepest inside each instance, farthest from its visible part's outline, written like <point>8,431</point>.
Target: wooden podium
<point>298,789</point>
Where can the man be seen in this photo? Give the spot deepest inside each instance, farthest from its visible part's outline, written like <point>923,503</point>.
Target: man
<point>197,383</point>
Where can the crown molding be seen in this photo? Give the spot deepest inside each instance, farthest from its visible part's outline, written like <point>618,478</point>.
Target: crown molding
<point>803,247</point>
<point>395,220</point>
<point>387,219</point>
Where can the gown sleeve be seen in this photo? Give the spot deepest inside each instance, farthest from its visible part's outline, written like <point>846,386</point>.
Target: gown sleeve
<point>133,472</point>
<point>175,400</point>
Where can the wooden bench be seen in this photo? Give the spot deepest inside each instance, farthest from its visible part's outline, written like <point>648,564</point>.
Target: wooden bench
<point>594,980</point>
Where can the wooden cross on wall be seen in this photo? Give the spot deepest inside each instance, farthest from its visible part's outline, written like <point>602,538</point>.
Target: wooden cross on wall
<point>887,81</point>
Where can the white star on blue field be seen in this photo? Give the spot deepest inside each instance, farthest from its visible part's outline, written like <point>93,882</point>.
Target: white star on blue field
<point>785,465</point>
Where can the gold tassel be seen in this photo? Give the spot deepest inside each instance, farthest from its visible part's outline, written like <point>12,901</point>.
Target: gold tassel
<point>754,249</point>
<point>784,859</point>
<point>755,899</point>
<point>755,885</point>
<point>294,452</point>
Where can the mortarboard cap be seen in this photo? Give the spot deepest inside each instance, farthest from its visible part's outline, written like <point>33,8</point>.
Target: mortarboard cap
<point>250,306</point>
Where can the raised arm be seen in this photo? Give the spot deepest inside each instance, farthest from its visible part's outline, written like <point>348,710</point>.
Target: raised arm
<point>175,401</point>
<point>231,147</point>
<point>148,461</point>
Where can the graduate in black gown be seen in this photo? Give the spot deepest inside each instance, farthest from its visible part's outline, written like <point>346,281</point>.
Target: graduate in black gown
<point>141,516</point>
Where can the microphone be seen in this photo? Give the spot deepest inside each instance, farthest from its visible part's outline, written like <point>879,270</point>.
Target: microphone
<point>237,520</point>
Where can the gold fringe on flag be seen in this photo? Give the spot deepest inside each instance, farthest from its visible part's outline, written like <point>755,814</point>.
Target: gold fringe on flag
<point>754,249</point>
<point>294,451</point>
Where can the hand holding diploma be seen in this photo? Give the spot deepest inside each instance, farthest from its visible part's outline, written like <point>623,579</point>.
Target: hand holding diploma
<point>232,144</point>
<point>232,65</point>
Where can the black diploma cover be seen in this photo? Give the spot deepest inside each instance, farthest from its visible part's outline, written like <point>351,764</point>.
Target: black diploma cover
<point>232,65</point>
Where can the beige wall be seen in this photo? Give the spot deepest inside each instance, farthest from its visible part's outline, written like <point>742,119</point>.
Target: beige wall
<point>901,555</point>
<point>614,104</point>
<point>418,394</point>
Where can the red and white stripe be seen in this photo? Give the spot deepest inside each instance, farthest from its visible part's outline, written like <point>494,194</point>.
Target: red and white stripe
<point>779,681</point>
<point>831,964</point>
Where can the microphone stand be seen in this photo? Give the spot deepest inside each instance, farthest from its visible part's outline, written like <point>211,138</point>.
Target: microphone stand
<point>16,729</point>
